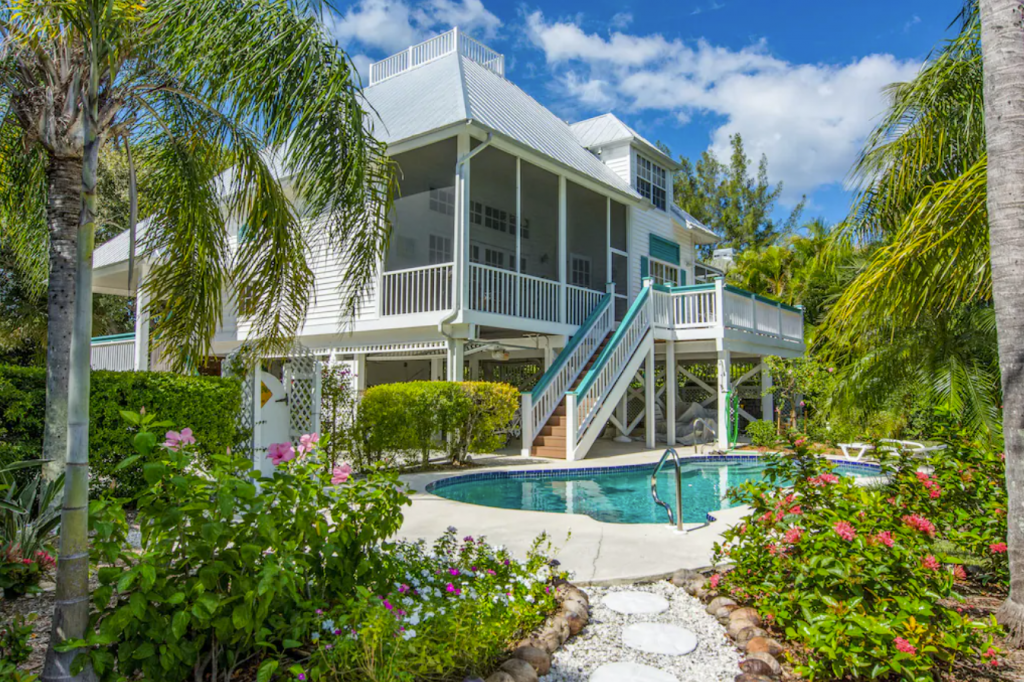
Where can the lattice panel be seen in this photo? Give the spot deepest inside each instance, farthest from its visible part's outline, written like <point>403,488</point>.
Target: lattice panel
<point>522,375</point>
<point>302,382</point>
<point>246,416</point>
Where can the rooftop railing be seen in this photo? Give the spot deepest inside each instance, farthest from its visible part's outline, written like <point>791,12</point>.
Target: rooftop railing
<point>435,48</point>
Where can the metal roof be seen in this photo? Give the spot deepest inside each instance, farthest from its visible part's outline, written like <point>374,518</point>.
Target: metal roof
<point>454,88</point>
<point>608,129</point>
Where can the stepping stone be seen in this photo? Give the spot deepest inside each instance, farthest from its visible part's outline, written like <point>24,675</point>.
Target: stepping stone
<point>659,638</point>
<point>631,672</point>
<point>630,603</point>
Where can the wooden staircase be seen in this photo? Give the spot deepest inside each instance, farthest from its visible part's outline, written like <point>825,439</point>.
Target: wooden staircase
<point>550,441</point>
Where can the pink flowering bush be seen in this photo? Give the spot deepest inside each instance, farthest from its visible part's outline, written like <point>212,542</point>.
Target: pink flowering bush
<point>231,564</point>
<point>841,571</point>
<point>446,613</point>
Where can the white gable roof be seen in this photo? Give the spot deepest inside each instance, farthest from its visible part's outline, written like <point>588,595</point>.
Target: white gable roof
<point>454,89</point>
<point>608,129</point>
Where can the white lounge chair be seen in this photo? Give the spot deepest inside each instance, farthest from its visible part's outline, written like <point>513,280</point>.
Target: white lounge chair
<point>855,451</point>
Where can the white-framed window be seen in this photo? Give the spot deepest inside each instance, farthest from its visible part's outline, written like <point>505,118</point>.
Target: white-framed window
<point>440,249</point>
<point>476,212</point>
<point>579,270</point>
<point>494,257</point>
<point>664,273</point>
<point>651,181</point>
<point>442,200</point>
<point>496,219</point>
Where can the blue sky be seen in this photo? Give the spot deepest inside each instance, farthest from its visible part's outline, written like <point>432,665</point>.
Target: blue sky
<point>800,80</point>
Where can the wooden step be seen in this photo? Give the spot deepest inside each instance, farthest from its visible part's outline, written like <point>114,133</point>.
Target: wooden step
<point>560,410</point>
<point>549,452</point>
<point>552,431</point>
<point>554,441</point>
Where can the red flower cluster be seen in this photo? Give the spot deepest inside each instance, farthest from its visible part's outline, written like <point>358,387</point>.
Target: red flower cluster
<point>959,573</point>
<point>715,579</point>
<point>823,479</point>
<point>930,562</point>
<point>919,523</point>
<point>792,536</point>
<point>998,548</point>
<point>844,530</point>
<point>930,485</point>
<point>904,646</point>
<point>883,538</point>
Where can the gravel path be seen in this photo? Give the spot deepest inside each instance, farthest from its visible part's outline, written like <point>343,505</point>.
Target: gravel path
<point>600,642</point>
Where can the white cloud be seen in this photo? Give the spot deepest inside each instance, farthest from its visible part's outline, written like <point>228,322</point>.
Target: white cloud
<point>392,25</point>
<point>810,119</point>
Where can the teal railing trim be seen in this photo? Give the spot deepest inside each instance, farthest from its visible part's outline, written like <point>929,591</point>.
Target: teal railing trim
<point>663,288</point>
<point>563,357</point>
<point>692,287</point>
<point>602,359</point>
<point>763,299</point>
<point>113,337</point>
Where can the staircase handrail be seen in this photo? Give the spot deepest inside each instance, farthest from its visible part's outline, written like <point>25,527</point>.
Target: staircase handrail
<point>540,403</point>
<point>578,422</point>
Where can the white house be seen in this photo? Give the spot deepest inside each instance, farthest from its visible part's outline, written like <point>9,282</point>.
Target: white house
<point>523,244</point>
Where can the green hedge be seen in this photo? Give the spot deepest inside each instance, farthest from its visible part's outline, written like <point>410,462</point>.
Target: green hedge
<point>207,405</point>
<point>400,422</point>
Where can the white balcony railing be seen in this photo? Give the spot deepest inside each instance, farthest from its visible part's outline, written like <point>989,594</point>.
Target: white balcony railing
<point>416,290</point>
<point>503,292</point>
<point>116,353</point>
<point>580,303</point>
<point>435,48</point>
<point>711,305</point>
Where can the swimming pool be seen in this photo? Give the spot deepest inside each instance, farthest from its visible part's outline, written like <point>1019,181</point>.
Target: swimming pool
<point>616,494</point>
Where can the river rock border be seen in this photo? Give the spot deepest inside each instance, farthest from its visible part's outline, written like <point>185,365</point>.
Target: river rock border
<point>531,657</point>
<point>743,625</point>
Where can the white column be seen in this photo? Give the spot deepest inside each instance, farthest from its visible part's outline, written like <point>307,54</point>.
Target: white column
<point>141,327</point>
<point>359,380</point>
<point>671,389</point>
<point>460,275</point>
<point>767,397</point>
<point>622,414</point>
<point>608,242</point>
<point>526,410</point>
<point>563,254</point>
<point>724,367</point>
<point>649,425</point>
<point>549,354</point>
<point>474,367</point>
<point>435,369</point>
<point>519,232</point>
<point>456,360</point>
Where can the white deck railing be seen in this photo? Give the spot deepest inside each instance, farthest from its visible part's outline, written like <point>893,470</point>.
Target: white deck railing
<point>435,48</point>
<point>540,403</point>
<point>580,303</point>
<point>416,290</point>
<point>584,402</point>
<point>503,292</point>
<point>116,353</point>
<point>712,305</point>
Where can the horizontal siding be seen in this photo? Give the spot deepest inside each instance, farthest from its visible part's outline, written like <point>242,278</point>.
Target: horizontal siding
<point>618,159</point>
<point>641,226</point>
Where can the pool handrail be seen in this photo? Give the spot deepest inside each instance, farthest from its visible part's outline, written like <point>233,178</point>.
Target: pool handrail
<point>677,520</point>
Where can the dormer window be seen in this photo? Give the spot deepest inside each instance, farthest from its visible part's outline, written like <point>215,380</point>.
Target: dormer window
<point>651,181</point>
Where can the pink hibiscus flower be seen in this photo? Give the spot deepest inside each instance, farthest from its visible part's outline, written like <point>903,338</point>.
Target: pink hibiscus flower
<point>341,474</point>
<point>280,453</point>
<point>176,439</point>
<point>308,442</point>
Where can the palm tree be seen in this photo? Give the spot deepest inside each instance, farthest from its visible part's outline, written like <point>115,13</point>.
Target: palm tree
<point>1002,40</point>
<point>193,87</point>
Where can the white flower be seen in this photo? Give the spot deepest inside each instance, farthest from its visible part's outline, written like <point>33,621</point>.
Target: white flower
<point>529,598</point>
<point>328,625</point>
<point>315,636</point>
<point>408,634</point>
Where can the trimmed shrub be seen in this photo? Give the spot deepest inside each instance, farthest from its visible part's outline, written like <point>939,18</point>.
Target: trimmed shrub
<point>762,433</point>
<point>208,405</point>
<point>399,422</point>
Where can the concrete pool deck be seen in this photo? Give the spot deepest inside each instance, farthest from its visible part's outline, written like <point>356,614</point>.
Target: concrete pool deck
<point>595,551</point>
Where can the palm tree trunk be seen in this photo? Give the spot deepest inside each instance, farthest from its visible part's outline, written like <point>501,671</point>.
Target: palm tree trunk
<point>64,179</point>
<point>1002,42</point>
<point>71,608</point>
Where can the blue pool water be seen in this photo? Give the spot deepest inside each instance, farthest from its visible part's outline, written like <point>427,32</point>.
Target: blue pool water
<point>614,494</point>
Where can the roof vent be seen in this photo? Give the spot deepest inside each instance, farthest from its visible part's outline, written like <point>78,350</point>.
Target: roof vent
<point>435,48</point>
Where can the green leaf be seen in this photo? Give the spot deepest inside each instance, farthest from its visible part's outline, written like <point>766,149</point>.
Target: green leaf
<point>127,462</point>
<point>147,650</point>
<point>291,644</point>
<point>133,418</point>
<point>138,605</point>
<point>148,577</point>
<point>154,472</point>
<point>176,598</point>
<point>266,671</point>
<point>179,624</point>
<point>145,441</point>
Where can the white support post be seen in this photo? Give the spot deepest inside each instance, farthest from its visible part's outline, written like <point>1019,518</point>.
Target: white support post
<point>608,241</point>
<point>460,271</point>
<point>141,327</point>
<point>767,397</point>
<point>519,234</point>
<point>563,252</point>
<point>724,367</point>
<point>622,414</point>
<point>649,425</point>
<point>257,418</point>
<point>359,381</point>
<point>526,420</point>
<point>435,369</point>
<point>456,360</point>
<point>671,389</point>
<point>549,355</point>
<point>474,368</point>
<point>570,426</point>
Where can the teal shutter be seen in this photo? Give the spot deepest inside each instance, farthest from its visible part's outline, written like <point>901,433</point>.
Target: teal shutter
<point>644,267</point>
<point>682,277</point>
<point>663,249</point>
